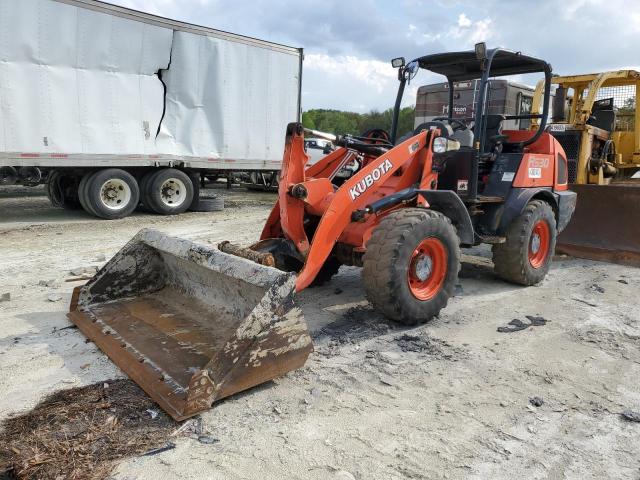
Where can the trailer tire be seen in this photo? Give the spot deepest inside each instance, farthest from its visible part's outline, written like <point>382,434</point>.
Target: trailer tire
<point>411,265</point>
<point>207,204</point>
<point>62,190</point>
<point>526,255</point>
<point>110,193</point>
<point>82,194</point>
<point>52,190</point>
<point>168,191</point>
<point>144,201</point>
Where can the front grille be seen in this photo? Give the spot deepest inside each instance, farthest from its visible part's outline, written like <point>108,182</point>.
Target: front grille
<point>570,142</point>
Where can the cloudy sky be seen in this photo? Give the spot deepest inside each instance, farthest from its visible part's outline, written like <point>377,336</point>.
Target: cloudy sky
<point>348,43</point>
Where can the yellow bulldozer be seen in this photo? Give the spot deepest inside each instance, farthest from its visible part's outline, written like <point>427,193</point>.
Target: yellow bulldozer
<point>595,119</point>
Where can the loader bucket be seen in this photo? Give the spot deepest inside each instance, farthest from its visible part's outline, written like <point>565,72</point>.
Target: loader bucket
<point>191,324</point>
<point>605,225</point>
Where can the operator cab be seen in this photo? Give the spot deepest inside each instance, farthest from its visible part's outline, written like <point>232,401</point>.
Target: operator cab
<point>486,149</point>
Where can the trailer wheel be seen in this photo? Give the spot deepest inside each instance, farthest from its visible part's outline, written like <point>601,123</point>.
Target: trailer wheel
<point>207,203</point>
<point>526,255</point>
<point>82,193</point>
<point>168,191</point>
<point>52,189</point>
<point>143,184</point>
<point>111,193</point>
<point>62,190</point>
<point>411,265</point>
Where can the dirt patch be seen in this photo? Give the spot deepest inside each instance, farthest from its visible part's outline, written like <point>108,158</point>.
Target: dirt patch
<point>358,324</point>
<point>429,346</point>
<point>81,433</point>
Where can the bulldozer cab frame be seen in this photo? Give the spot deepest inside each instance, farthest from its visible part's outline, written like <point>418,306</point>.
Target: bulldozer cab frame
<point>595,118</point>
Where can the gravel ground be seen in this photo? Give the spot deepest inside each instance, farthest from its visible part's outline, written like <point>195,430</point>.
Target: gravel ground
<point>450,399</point>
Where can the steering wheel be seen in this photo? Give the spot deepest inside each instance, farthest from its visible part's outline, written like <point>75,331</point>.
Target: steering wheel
<point>455,124</point>
<point>376,134</point>
<point>445,129</point>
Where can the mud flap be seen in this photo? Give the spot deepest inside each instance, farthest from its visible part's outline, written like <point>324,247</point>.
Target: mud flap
<point>191,324</point>
<point>605,225</point>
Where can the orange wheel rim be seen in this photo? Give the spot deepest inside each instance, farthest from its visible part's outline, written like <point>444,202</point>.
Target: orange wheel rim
<point>427,269</point>
<point>539,243</point>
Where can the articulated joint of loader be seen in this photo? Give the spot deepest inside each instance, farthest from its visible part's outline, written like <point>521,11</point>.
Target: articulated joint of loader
<point>299,191</point>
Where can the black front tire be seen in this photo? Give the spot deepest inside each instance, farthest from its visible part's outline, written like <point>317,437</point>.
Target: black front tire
<point>515,260</point>
<point>389,258</point>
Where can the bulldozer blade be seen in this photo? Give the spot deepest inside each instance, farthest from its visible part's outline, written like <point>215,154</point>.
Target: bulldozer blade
<point>191,324</point>
<point>605,225</point>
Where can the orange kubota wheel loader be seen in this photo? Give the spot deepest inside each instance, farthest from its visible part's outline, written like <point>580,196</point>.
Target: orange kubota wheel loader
<point>192,324</point>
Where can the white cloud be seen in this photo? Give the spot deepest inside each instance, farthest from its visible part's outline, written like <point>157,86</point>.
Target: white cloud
<point>463,21</point>
<point>373,73</point>
<point>468,31</point>
<point>482,31</point>
<point>354,84</point>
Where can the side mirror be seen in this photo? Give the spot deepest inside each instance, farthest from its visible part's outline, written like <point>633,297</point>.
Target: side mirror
<point>397,62</point>
<point>481,51</point>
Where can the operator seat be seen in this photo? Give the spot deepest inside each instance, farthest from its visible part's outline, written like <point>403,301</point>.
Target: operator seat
<point>493,141</point>
<point>494,126</point>
<point>465,137</point>
<point>604,119</point>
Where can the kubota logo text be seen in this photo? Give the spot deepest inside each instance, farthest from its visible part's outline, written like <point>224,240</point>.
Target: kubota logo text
<point>364,184</point>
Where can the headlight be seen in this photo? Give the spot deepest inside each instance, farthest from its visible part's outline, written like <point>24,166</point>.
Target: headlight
<point>442,145</point>
<point>439,145</point>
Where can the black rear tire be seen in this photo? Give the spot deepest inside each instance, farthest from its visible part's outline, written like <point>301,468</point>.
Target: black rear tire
<point>111,193</point>
<point>515,260</point>
<point>391,259</point>
<point>168,191</point>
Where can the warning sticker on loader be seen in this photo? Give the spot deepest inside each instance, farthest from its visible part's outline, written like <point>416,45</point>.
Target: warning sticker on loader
<point>508,176</point>
<point>463,185</point>
<point>535,172</point>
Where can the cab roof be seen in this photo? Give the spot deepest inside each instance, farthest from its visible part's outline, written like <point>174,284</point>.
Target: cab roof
<point>465,65</point>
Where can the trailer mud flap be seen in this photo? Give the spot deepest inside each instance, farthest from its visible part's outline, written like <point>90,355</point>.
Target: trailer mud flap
<point>605,225</point>
<point>191,324</point>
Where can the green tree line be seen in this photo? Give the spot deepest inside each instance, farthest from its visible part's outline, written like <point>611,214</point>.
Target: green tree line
<point>342,123</point>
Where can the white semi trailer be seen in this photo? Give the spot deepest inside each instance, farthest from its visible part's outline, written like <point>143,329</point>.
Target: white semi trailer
<point>112,107</point>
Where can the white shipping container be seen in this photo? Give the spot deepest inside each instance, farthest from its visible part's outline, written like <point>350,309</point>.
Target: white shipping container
<point>84,83</point>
